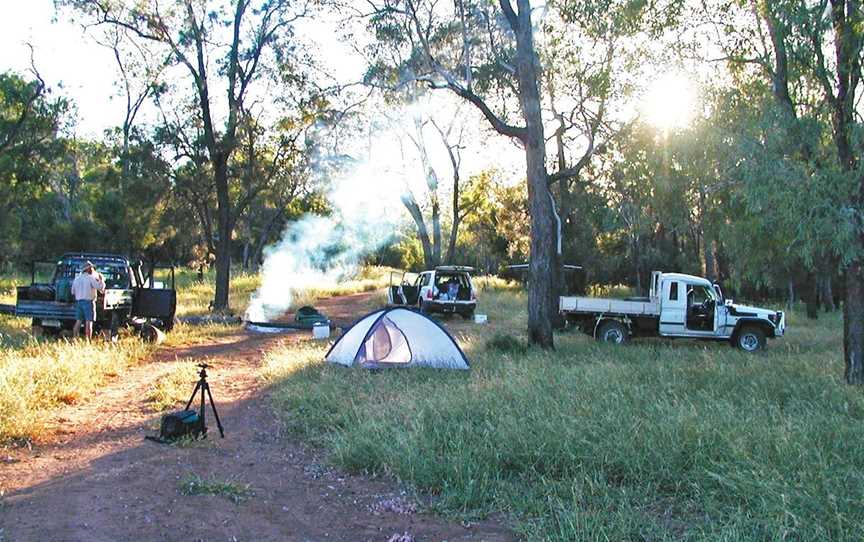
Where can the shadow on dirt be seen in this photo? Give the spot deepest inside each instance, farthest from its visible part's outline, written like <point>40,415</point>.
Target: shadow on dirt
<point>130,489</point>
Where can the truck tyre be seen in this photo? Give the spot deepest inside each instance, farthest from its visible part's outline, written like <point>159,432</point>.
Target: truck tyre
<point>750,339</point>
<point>468,315</point>
<point>152,334</point>
<point>612,331</point>
<point>114,325</point>
<point>169,324</point>
<point>36,328</point>
<point>423,308</point>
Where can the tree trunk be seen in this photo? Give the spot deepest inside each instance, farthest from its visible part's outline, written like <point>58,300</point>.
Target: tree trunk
<point>812,301</point>
<point>247,254</point>
<point>436,229</point>
<point>541,294</point>
<point>457,219</point>
<point>790,294</point>
<point>258,253</point>
<point>709,246</point>
<point>853,324</point>
<point>847,47</point>
<point>561,221</point>
<point>223,246</point>
<point>828,294</point>
<point>636,261</point>
<point>416,214</point>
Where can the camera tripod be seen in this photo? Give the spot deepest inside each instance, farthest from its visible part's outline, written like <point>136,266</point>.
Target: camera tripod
<point>204,386</point>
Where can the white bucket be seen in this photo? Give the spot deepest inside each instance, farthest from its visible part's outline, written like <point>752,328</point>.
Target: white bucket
<point>320,331</point>
<point>479,318</point>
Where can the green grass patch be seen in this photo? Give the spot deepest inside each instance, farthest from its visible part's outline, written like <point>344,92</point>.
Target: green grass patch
<point>192,484</point>
<point>654,440</point>
<point>507,344</point>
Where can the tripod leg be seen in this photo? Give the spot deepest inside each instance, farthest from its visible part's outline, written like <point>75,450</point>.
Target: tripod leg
<point>215,414</point>
<point>192,398</point>
<point>204,386</point>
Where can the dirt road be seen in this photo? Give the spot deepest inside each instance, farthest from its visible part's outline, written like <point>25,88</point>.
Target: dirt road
<point>98,479</point>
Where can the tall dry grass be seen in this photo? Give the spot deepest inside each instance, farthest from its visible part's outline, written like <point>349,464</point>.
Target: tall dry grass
<point>37,377</point>
<point>195,296</point>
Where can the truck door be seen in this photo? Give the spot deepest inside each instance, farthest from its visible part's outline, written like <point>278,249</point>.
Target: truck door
<point>673,308</point>
<point>153,298</point>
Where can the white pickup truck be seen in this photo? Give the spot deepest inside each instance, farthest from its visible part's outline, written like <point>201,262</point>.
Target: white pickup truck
<point>678,306</point>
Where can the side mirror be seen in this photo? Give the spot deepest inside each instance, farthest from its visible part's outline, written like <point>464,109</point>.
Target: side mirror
<point>728,302</point>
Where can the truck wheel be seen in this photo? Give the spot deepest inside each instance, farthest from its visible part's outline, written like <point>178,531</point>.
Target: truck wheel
<point>423,308</point>
<point>36,328</point>
<point>612,331</point>
<point>169,324</point>
<point>750,339</point>
<point>468,315</point>
<point>114,326</point>
<point>152,334</point>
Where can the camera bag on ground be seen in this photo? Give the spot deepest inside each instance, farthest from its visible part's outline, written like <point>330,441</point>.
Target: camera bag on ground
<point>180,424</point>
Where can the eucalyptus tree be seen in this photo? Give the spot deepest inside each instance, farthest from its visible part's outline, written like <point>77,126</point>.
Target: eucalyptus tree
<point>431,124</point>
<point>32,145</point>
<point>236,45</point>
<point>809,53</point>
<point>447,47</point>
<point>843,24</point>
<point>274,165</point>
<point>527,84</point>
<point>140,70</point>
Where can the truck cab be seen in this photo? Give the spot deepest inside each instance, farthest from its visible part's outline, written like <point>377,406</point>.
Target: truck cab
<point>695,307</point>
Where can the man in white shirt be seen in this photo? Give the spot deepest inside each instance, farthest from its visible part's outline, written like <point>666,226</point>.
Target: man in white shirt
<point>85,287</point>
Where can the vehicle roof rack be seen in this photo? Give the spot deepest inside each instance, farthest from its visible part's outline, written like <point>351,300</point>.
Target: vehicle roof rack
<point>454,268</point>
<point>94,256</point>
<point>518,266</point>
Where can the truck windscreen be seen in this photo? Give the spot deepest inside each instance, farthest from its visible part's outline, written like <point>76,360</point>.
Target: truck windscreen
<point>116,276</point>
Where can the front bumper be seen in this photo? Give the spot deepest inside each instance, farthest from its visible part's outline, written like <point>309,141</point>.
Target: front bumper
<point>780,325</point>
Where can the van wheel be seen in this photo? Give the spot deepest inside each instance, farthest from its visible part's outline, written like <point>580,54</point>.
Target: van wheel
<point>612,331</point>
<point>750,339</point>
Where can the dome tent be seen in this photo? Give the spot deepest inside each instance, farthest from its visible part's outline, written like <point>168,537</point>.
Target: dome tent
<point>397,337</point>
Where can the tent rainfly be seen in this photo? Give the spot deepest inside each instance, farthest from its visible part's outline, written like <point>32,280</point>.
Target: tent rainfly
<point>397,337</point>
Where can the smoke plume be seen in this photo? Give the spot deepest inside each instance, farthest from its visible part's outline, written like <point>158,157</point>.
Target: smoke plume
<point>319,251</point>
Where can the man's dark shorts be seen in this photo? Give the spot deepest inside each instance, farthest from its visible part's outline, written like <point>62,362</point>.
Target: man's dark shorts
<point>85,311</point>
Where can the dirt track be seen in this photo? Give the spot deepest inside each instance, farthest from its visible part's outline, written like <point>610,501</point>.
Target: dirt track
<point>98,479</point>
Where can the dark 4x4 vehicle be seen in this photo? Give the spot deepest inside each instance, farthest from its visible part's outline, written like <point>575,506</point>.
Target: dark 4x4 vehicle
<point>447,289</point>
<point>132,296</point>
